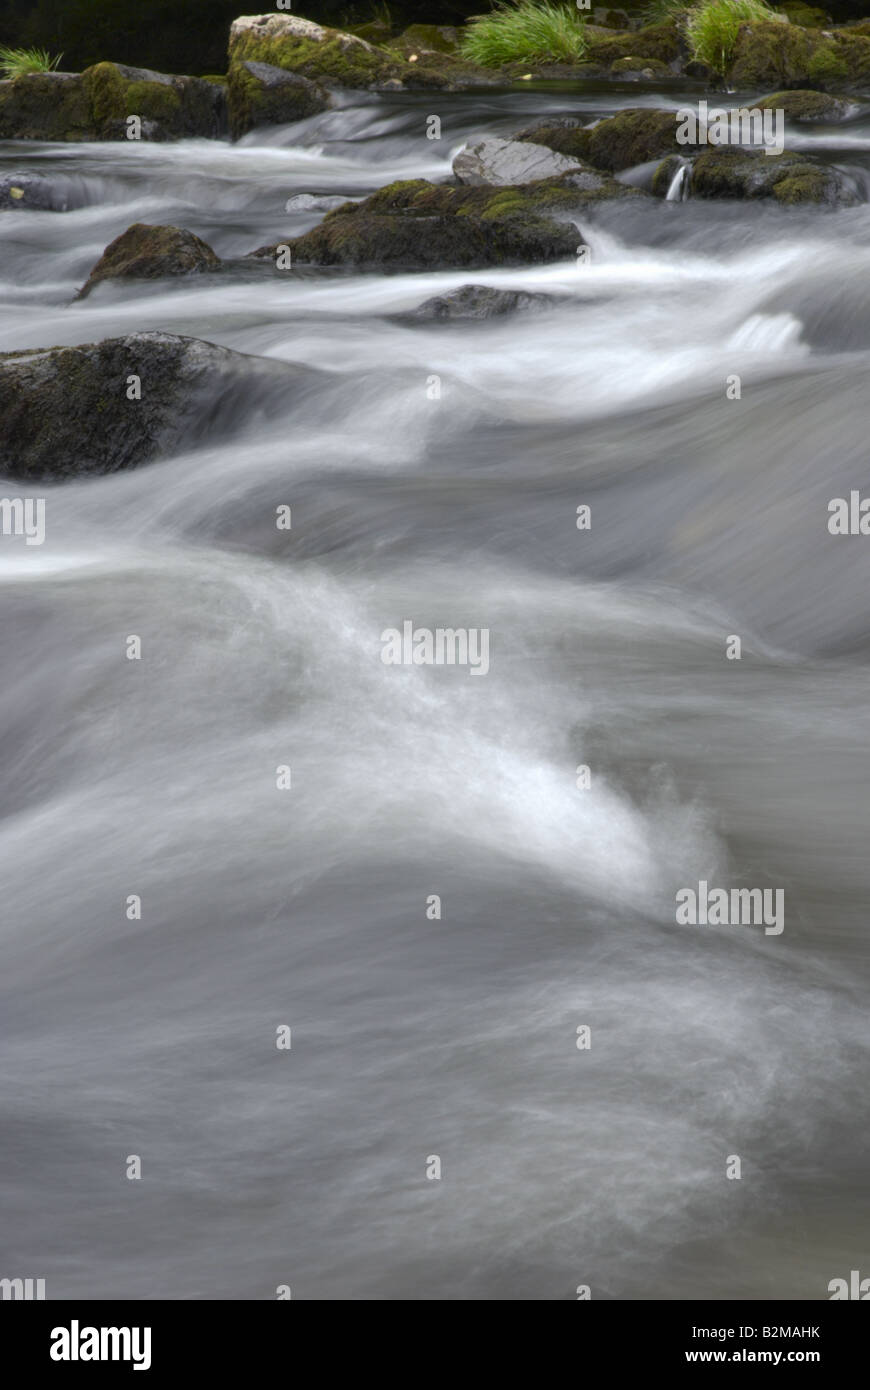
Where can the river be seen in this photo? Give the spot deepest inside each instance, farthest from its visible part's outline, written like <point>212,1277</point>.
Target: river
<point>413,1036</point>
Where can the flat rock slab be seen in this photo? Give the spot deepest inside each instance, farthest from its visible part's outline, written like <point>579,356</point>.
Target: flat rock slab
<point>509,162</point>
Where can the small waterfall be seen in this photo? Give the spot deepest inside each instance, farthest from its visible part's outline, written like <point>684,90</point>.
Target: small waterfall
<point>678,188</point>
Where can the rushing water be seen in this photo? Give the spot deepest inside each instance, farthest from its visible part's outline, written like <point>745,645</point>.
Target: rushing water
<point>413,1037</point>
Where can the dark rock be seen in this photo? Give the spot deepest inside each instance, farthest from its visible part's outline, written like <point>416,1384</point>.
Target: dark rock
<point>748,173</point>
<point>259,94</point>
<point>66,411</point>
<point>22,191</point>
<point>479,302</point>
<point>419,225</point>
<point>95,105</point>
<point>809,107</point>
<point>146,252</point>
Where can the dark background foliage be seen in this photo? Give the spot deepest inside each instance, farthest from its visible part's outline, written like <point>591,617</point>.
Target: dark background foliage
<point>191,35</point>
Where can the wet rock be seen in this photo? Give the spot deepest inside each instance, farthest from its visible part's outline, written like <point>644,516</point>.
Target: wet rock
<point>747,173</point>
<point>319,53</point>
<point>20,191</point>
<point>67,413</point>
<point>95,105</point>
<point>419,225</point>
<point>631,137</point>
<point>508,162</point>
<point>640,69</point>
<point>146,252</point>
<point>479,302</point>
<point>809,107</point>
<point>787,55</point>
<point>259,94</point>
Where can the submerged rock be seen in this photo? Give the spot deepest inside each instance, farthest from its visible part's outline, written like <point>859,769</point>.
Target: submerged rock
<point>259,94</point>
<point>34,191</point>
<point>479,302</point>
<point>146,252</point>
<point>419,225</point>
<point>67,413</point>
<point>507,162</point>
<point>95,105</point>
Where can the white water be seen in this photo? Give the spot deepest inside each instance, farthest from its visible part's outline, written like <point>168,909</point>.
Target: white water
<point>413,1037</point>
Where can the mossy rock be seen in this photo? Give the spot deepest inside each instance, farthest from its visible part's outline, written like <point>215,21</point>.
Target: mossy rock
<point>807,107</point>
<point>750,174</point>
<point>791,56</point>
<point>426,38</point>
<point>319,53</point>
<point>95,104</point>
<point>661,41</point>
<point>645,67</point>
<point>805,15</point>
<point>414,224</point>
<point>45,106</point>
<point>633,137</point>
<point>564,134</point>
<point>145,252</point>
<point>261,95</point>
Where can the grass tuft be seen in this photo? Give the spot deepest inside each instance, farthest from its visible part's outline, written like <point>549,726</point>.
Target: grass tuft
<point>525,31</point>
<point>712,26</point>
<point>15,62</point>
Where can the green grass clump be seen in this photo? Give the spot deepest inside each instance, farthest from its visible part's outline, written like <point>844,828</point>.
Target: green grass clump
<point>15,62</point>
<point>525,31</point>
<point>712,26</point>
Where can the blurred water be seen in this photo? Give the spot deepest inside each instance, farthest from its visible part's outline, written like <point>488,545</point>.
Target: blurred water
<point>262,647</point>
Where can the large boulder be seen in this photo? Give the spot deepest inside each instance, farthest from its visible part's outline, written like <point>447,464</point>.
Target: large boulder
<point>146,252</point>
<point>749,173</point>
<point>419,225</point>
<point>67,410</point>
<point>508,162</point>
<point>299,45</point>
<point>261,95</point>
<point>95,104</point>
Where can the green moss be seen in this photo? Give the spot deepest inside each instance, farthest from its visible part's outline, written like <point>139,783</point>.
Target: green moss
<point>154,101</point>
<point>802,105</point>
<point>660,41</point>
<point>805,15</point>
<point>437,38</point>
<point>106,90</point>
<point>350,64</point>
<point>808,186</point>
<point>792,56</point>
<point>45,106</point>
